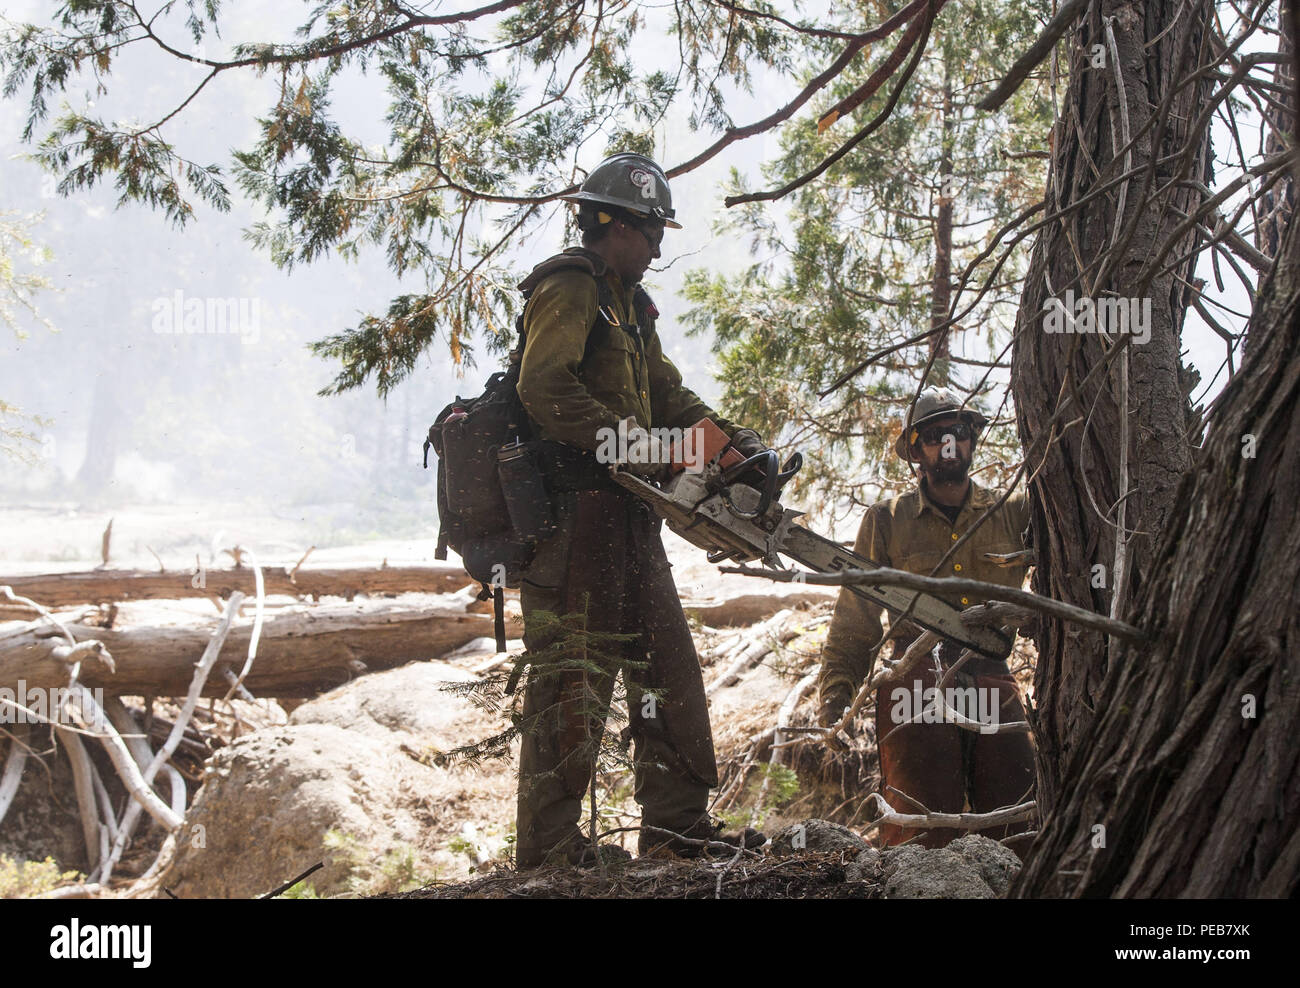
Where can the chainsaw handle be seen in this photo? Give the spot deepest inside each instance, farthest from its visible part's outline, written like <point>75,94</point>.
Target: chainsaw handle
<point>770,468</point>
<point>791,467</point>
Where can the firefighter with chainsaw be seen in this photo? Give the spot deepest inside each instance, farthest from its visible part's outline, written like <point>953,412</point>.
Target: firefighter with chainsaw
<point>927,763</point>
<point>592,365</point>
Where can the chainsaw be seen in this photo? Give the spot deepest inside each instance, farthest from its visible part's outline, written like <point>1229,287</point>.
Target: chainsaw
<point>718,508</point>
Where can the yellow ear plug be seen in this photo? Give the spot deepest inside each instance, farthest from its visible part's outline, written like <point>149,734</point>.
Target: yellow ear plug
<point>603,218</point>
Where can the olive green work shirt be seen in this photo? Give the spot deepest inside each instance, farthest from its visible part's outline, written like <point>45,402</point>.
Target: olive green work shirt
<point>911,533</point>
<point>570,399</point>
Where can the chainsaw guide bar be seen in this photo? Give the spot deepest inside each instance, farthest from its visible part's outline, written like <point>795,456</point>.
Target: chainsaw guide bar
<point>731,522</point>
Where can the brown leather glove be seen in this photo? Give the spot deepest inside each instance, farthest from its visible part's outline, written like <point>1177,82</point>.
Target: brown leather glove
<point>833,702</point>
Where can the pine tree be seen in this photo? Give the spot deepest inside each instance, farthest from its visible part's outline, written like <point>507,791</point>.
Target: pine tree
<point>870,257</point>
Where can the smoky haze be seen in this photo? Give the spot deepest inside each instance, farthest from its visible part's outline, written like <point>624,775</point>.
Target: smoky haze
<point>179,371</point>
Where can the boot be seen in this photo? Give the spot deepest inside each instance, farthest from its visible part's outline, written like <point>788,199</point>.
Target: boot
<point>575,851</point>
<point>704,829</point>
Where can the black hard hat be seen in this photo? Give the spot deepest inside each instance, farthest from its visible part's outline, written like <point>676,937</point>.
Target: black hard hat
<point>632,182</point>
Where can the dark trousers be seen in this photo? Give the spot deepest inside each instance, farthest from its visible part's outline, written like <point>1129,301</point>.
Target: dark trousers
<point>941,767</point>
<point>608,559</point>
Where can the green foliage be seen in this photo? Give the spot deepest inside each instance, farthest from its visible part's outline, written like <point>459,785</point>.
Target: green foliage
<point>849,272</point>
<point>394,872</point>
<point>20,879</point>
<point>485,120</point>
<point>465,843</point>
<point>778,783</point>
<point>303,890</point>
<point>477,151</point>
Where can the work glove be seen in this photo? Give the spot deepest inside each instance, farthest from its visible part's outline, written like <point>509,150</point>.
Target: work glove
<point>747,442</point>
<point>833,702</point>
<point>643,453</point>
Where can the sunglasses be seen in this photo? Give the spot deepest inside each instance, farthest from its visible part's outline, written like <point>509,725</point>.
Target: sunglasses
<point>654,235</point>
<point>937,434</point>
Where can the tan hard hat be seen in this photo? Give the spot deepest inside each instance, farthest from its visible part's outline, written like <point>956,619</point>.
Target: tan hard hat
<point>932,404</point>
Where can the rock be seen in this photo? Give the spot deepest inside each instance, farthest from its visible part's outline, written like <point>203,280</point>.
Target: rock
<point>864,868</point>
<point>817,835</point>
<point>997,864</point>
<point>363,764</point>
<point>411,704</point>
<point>971,867</point>
<point>934,874</point>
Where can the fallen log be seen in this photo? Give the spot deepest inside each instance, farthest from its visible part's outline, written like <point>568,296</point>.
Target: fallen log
<point>303,651</point>
<point>103,586</point>
<point>731,609</point>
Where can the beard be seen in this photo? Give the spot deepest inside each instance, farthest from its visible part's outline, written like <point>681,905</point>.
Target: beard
<point>949,471</point>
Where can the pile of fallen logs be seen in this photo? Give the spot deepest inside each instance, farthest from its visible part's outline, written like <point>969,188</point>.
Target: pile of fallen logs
<point>58,642</point>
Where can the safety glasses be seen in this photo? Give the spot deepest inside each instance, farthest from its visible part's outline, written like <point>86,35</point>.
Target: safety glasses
<point>937,434</point>
<point>654,234</point>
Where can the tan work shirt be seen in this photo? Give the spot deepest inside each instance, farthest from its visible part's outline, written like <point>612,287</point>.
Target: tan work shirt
<point>911,533</point>
<point>628,374</point>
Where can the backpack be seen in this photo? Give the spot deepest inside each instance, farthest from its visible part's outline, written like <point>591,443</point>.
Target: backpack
<point>468,437</point>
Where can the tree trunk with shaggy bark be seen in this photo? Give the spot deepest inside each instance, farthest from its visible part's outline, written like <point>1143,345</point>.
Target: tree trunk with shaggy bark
<point>1084,489</point>
<point>1189,778</point>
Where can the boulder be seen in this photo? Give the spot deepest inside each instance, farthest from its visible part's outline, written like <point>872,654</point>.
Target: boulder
<point>971,867</point>
<point>864,868</point>
<point>362,764</point>
<point>997,864</point>
<point>817,835</point>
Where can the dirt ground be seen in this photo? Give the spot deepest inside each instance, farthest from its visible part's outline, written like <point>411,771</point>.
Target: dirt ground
<point>479,815</point>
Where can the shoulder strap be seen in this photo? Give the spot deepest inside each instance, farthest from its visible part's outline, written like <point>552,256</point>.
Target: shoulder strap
<point>574,257</point>
<point>583,260</point>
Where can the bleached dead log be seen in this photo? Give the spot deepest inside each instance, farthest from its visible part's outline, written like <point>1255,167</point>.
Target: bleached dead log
<point>197,681</point>
<point>757,645</point>
<point>955,821</point>
<point>138,745</point>
<point>303,651</point>
<point>107,585</point>
<point>84,709</point>
<point>105,806</point>
<point>83,891</point>
<point>731,609</point>
<point>13,772</point>
<point>92,830</point>
<point>783,716</point>
<point>260,586</point>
